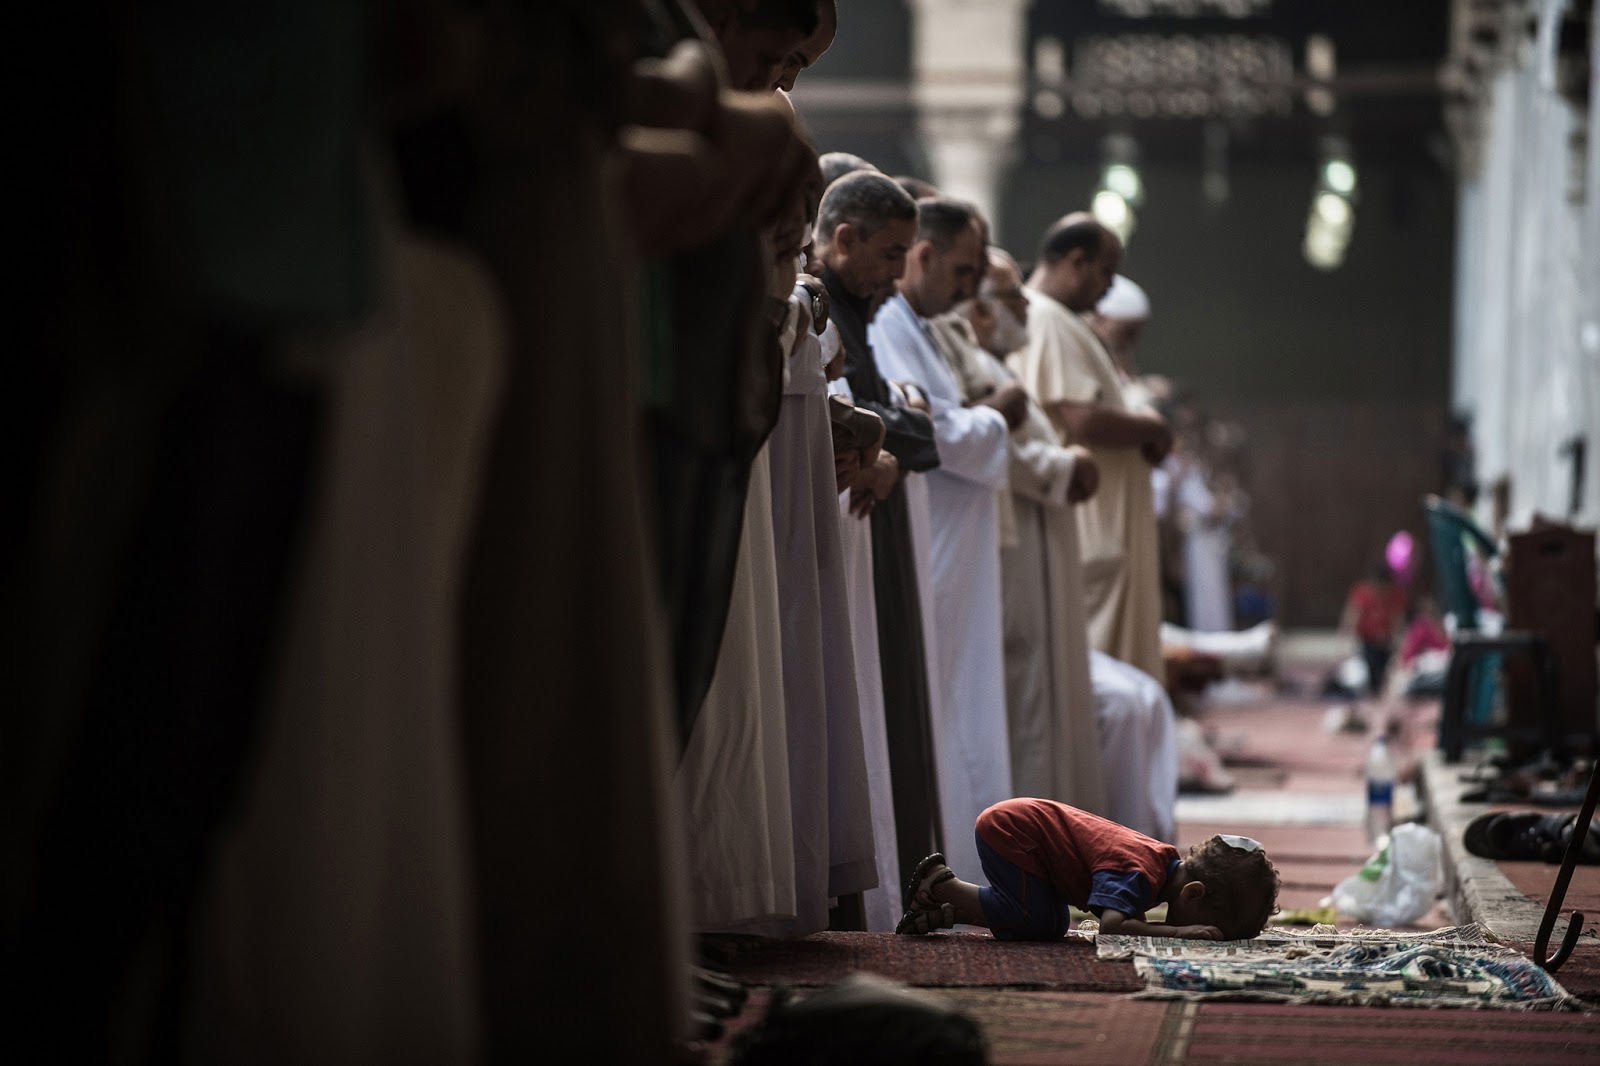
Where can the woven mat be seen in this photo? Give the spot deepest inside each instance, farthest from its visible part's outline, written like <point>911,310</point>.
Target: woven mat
<point>1452,967</point>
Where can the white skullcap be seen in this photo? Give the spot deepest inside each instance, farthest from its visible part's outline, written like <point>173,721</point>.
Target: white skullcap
<point>1241,843</point>
<point>1125,301</point>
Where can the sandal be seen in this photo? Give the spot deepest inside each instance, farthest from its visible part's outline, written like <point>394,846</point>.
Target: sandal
<point>918,921</point>
<point>919,890</point>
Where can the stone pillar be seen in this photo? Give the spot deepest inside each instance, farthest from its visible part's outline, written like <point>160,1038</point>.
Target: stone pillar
<point>969,79</point>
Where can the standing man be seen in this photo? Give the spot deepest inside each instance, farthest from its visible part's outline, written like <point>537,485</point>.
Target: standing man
<point>942,269</point>
<point>1055,738</point>
<point>1082,723</point>
<point>865,227</point>
<point>1069,371</point>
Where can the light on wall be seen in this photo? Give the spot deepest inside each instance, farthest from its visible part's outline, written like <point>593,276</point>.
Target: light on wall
<point>1339,176</point>
<point>1113,212</point>
<point>1123,179</point>
<point>1121,188</point>
<point>1333,214</point>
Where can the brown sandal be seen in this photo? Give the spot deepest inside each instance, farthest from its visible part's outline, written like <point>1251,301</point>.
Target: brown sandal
<point>919,922</point>
<point>919,890</point>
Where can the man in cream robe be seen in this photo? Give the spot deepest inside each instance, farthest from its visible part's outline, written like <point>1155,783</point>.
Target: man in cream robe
<point>1072,376</point>
<point>1095,729</point>
<point>1055,739</point>
<point>942,268</point>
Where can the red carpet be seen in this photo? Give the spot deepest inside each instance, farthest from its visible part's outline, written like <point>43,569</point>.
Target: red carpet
<point>1267,1033</point>
<point>1048,1028</point>
<point>941,960</point>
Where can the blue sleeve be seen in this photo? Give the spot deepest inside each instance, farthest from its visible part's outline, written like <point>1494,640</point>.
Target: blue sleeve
<point>1119,890</point>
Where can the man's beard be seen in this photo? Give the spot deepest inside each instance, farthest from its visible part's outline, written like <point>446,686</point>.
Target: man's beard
<point>1010,332</point>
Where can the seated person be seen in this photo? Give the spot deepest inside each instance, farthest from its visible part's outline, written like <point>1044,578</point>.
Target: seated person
<point>1040,856</point>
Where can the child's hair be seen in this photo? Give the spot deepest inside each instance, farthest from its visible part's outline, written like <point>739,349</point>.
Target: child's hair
<point>1241,886</point>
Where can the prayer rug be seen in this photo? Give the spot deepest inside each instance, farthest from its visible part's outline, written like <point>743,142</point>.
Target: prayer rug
<point>940,960</point>
<point>1452,967</point>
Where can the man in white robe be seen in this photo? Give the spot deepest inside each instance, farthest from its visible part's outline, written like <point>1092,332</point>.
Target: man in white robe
<point>1055,739</point>
<point>971,744</point>
<point>1069,706</point>
<point>1071,374</point>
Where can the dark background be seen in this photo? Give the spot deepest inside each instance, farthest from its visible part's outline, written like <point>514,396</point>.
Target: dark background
<point>1340,378</point>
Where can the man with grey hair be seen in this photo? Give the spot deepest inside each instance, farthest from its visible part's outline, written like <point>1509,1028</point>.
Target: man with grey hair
<point>942,269</point>
<point>836,165</point>
<point>865,226</point>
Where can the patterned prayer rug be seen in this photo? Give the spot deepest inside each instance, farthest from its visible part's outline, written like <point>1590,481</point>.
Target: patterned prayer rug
<point>1452,967</point>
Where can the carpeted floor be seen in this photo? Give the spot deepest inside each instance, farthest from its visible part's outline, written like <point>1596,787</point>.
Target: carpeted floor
<point>939,960</point>
<point>1050,1028</point>
<point>1308,1036</point>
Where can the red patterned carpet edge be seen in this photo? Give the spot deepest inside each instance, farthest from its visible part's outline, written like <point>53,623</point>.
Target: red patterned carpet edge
<point>1309,1036</point>
<point>943,960</point>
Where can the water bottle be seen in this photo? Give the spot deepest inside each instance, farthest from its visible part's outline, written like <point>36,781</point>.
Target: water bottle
<point>1380,790</point>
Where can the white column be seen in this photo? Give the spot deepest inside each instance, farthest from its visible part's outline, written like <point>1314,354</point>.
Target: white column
<point>969,77</point>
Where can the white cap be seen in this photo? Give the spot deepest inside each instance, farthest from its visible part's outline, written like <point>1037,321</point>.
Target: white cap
<point>1125,301</point>
<point>1242,843</point>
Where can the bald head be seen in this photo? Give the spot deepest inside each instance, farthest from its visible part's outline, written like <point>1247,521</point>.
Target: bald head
<point>1078,258</point>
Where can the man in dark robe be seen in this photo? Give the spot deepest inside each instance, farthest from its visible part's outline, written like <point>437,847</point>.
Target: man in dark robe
<point>864,228</point>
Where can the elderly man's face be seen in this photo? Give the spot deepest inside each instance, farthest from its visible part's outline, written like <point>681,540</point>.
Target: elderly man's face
<point>810,50</point>
<point>1003,284</point>
<point>980,312</point>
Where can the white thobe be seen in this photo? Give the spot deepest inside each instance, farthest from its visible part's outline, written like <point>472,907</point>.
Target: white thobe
<point>1064,360</point>
<point>734,776</point>
<point>971,731</point>
<point>1139,742</point>
<point>882,903</point>
<point>827,770</point>
<point>1207,553</point>
<point>1054,731</point>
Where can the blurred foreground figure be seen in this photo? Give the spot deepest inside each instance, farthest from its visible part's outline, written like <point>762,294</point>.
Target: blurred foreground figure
<point>862,1019</point>
<point>311,677</point>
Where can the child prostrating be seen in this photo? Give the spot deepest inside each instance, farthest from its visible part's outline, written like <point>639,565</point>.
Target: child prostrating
<point>1041,857</point>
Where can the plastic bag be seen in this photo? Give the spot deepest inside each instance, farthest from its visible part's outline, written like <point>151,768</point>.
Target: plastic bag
<point>1398,885</point>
